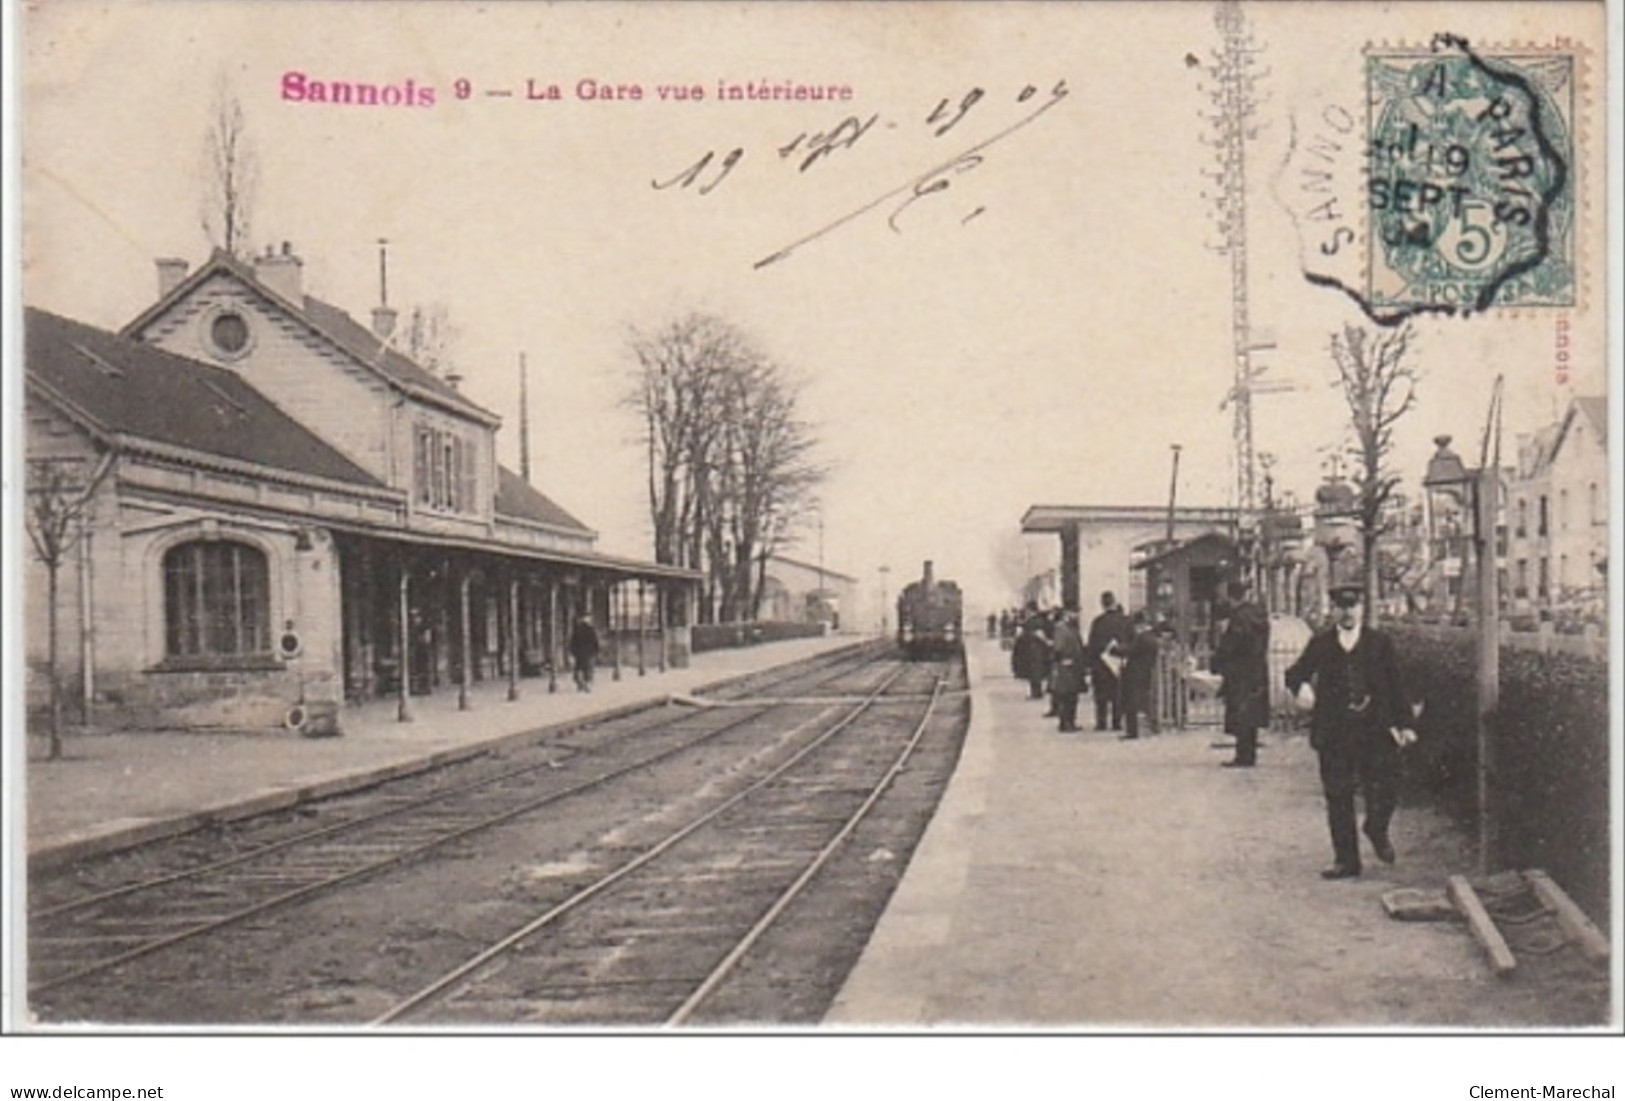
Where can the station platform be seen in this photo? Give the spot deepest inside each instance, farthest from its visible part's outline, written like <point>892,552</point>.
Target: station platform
<point>1081,882</point>
<point>111,790</point>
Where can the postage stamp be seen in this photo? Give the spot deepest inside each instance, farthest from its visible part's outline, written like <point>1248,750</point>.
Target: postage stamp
<point>1471,190</point>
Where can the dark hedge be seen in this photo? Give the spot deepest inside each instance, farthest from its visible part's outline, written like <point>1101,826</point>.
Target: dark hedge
<point>1549,736</point>
<point>722,636</point>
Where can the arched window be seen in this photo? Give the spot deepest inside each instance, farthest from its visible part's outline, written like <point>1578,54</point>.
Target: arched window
<point>217,600</point>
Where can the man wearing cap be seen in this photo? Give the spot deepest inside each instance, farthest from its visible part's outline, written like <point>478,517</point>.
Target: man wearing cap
<point>1361,718</point>
<point>1242,659</point>
<point>1139,672</point>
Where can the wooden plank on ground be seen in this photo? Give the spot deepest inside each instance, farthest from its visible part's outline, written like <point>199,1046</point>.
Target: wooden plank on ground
<point>1502,961</point>
<point>1573,921</point>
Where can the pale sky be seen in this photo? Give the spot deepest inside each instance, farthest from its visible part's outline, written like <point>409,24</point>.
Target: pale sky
<point>1039,332</point>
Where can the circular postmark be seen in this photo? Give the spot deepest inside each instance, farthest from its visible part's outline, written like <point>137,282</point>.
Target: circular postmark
<point>1470,190</point>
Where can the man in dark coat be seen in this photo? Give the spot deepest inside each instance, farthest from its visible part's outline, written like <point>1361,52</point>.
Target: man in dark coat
<point>1067,672</point>
<point>584,650</point>
<point>1242,659</point>
<point>1361,718</point>
<point>1139,668</point>
<point>1047,622</point>
<point>1029,656</point>
<point>1109,636</point>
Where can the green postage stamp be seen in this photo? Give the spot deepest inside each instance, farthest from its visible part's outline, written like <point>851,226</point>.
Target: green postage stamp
<point>1471,189</point>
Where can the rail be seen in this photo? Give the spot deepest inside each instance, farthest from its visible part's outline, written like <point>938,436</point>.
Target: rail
<point>649,855</point>
<point>333,849</point>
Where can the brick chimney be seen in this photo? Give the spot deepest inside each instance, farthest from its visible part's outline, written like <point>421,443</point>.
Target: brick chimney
<point>282,272</point>
<point>383,322</point>
<point>170,273</point>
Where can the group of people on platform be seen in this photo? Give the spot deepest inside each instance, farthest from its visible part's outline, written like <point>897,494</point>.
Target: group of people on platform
<point>1114,662</point>
<point>1347,677</point>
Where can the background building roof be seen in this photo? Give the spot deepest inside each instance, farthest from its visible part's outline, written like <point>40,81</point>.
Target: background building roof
<point>519,499</point>
<point>1596,411</point>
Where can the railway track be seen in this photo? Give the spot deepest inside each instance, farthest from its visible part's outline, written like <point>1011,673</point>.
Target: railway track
<point>88,931</point>
<point>220,846</point>
<point>767,842</point>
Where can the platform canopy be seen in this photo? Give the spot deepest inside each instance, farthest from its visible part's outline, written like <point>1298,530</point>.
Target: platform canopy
<point>1111,533</point>
<point>1053,519</point>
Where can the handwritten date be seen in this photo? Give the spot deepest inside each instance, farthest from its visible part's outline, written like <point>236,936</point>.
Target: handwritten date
<point>809,149</point>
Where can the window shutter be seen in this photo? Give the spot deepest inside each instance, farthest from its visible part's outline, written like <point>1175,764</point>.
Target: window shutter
<point>421,466</point>
<point>470,487</point>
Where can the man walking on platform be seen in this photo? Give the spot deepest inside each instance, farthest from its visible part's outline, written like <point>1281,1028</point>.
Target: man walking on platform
<point>584,650</point>
<point>1361,719</point>
<point>1109,636</point>
<point>1242,659</point>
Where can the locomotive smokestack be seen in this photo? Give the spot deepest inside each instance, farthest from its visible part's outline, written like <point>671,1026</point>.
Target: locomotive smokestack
<point>929,581</point>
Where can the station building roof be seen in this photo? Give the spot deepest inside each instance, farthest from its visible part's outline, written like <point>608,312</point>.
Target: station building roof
<point>331,324</point>
<point>128,392</point>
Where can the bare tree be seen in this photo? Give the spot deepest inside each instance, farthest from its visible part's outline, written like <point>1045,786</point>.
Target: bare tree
<point>1380,388</point>
<point>230,175</point>
<point>776,479</point>
<point>729,467</point>
<point>58,495</point>
<point>430,337</point>
<point>677,387</point>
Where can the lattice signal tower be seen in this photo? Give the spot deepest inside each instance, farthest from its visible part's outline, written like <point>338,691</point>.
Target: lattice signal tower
<point>1233,76</point>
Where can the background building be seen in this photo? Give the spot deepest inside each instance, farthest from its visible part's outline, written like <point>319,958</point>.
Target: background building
<point>1557,513</point>
<point>797,592</point>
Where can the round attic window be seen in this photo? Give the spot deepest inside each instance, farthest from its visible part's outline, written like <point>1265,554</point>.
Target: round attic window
<point>228,334</point>
<point>229,331</point>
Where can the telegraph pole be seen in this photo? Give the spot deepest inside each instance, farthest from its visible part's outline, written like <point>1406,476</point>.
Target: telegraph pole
<point>524,420</point>
<point>1173,493</point>
<point>383,271</point>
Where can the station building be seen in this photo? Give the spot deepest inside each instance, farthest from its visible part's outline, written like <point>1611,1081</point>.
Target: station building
<point>265,511</point>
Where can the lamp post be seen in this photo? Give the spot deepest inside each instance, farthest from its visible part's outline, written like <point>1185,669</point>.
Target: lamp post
<point>1334,510</point>
<point>1477,490</point>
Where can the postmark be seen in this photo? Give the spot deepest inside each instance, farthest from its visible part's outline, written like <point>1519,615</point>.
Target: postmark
<point>1471,184</point>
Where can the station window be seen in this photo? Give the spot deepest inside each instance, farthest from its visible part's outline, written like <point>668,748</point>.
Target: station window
<point>444,470</point>
<point>216,600</point>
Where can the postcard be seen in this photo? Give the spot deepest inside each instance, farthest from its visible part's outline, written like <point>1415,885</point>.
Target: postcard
<point>558,517</point>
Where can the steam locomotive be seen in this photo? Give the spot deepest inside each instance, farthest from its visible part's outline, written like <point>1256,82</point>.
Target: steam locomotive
<point>930,617</point>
